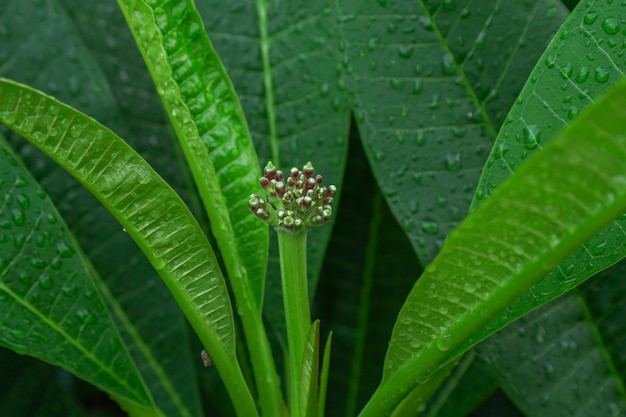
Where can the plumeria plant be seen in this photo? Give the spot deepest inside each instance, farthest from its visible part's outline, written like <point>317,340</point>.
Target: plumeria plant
<point>470,179</point>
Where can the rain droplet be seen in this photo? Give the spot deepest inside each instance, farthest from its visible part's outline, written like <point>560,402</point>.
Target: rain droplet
<point>405,51</point>
<point>601,75</point>
<point>610,25</point>
<point>590,17</point>
<point>418,86</point>
<point>45,282</point>
<point>430,227</point>
<point>453,161</point>
<point>582,75</point>
<point>567,71</point>
<point>443,342</point>
<point>448,64</point>
<point>532,136</point>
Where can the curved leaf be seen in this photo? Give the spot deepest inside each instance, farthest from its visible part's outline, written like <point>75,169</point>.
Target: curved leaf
<point>144,204</point>
<point>572,345</point>
<point>581,63</point>
<point>363,284</point>
<point>205,112</point>
<point>431,82</point>
<point>558,199</point>
<point>50,307</point>
<point>110,88</point>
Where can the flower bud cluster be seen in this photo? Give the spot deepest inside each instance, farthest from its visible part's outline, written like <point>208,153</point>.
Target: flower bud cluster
<point>296,201</point>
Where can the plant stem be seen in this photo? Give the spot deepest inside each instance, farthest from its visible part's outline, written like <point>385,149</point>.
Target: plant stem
<point>292,248</point>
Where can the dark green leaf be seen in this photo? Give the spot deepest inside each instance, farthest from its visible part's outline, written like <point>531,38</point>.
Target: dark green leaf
<point>364,282</point>
<point>567,357</point>
<point>143,203</point>
<point>114,87</point>
<point>51,308</point>
<point>581,63</point>
<point>558,199</point>
<point>282,59</point>
<point>206,114</point>
<point>431,82</point>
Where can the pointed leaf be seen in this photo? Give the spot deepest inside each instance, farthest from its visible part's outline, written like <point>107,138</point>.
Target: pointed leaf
<point>309,372</point>
<point>145,205</point>
<point>364,282</point>
<point>558,199</point>
<point>534,357</point>
<point>580,64</point>
<point>50,306</point>
<point>431,82</point>
<point>325,370</point>
<point>212,130</point>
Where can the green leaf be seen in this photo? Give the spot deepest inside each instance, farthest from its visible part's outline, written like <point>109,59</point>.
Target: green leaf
<point>32,379</point>
<point>533,357</point>
<point>468,386</point>
<point>204,111</point>
<point>431,82</point>
<point>51,308</point>
<point>325,370</point>
<point>145,205</point>
<point>97,71</point>
<point>309,372</point>
<point>558,199</point>
<point>282,58</point>
<point>579,65</point>
<point>368,255</point>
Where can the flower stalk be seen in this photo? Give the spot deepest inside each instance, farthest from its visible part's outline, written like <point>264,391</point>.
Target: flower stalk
<point>294,203</point>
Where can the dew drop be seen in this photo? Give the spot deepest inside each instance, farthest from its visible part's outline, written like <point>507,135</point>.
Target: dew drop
<point>532,136</point>
<point>601,75</point>
<point>430,227</point>
<point>418,86</point>
<point>443,342</point>
<point>567,71</point>
<point>453,161</point>
<point>610,25</point>
<point>447,64</point>
<point>590,17</point>
<point>45,282</point>
<point>405,51</point>
<point>582,75</point>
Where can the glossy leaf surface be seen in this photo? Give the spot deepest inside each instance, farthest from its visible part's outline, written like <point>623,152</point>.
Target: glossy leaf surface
<point>47,297</point>
<point>368,252</point>
<point>150,211</point>
<point>558,200</point>
<point>282,59</point>
<point>585,328</point>
<point>431,82</point>
<point>105,77</point>
<point>209,122</point>
<point>582,62</point>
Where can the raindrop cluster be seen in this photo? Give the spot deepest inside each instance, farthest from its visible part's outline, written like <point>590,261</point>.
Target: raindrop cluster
<point>295,202</point>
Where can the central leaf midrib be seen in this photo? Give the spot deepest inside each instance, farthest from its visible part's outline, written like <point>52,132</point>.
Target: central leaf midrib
<point>264,44</point>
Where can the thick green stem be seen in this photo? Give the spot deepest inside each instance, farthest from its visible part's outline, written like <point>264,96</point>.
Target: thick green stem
<point>292,249</point>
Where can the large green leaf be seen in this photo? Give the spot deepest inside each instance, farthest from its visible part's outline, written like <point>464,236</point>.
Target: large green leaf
<point>558,199</point>
<point>29,378</point>
<point>431,82</point>
<point>363,284</point>
<point>212,130</point>
<point>115,88</point>
<point>574,364</point>
<point>582,62</point>
<point>50,306</point>
<point>282,58</point>
<point>149,210</point>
